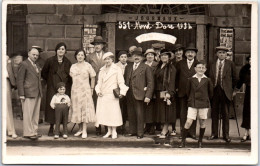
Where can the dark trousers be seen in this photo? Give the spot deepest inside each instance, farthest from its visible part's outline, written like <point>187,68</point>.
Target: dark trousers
<point>135,110</point>
<point>183,102</point>
<point>220,106</point>
<point>61,116</point>
<point>123,107</point>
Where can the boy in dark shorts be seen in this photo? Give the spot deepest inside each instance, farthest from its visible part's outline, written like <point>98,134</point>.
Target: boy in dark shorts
<point>199,91</point>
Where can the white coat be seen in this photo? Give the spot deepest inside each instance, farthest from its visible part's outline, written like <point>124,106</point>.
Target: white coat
<point>108,111</point>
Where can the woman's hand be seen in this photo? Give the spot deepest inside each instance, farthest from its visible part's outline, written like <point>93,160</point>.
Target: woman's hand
<point>121,96</point>
<point>100,94</point>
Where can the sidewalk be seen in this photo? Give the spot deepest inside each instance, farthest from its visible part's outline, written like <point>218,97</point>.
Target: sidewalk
<point>122,141</point>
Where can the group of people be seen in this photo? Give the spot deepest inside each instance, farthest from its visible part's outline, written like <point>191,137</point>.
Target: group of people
<point>148,89</point>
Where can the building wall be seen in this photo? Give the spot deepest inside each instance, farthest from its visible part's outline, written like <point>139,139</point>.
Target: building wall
<point>50,24</point>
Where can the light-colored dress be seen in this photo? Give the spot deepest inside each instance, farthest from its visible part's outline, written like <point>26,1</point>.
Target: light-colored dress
<point>108,110</point>
<point>82,107</point>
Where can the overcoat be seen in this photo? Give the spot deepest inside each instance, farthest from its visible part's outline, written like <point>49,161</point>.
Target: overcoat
<point>245,78</point>
<point>108,111</point>
<point>53,76</point>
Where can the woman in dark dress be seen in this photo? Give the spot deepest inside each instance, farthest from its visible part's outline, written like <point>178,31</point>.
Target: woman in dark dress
<point>56,69</point>
<point>149,109</point>
<point>165,74</point>
<point>245,78</point>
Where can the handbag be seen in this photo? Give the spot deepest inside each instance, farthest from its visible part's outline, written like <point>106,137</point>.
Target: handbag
<point>116,92</point>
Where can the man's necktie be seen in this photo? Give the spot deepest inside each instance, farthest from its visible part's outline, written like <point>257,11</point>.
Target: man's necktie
<point>219,73</point>
<point>35,67</point>
<point>189,64</point>
<point>135,66</point>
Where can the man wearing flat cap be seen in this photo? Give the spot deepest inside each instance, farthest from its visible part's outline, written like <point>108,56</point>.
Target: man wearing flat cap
<point>30,93</point>
<point>96,61</point>
<point>139,79</point>
<point>185,70</point>
<point>223,75</point>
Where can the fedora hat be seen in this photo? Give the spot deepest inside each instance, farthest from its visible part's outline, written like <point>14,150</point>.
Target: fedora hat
<point>191,46</point>
<point>137,51</point>
<point>221,48</point>
<point>98,39</point>
<point>149,51</point>
<point>178,46</point>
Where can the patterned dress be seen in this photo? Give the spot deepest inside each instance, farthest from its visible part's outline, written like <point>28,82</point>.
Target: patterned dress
<point>82,106</point>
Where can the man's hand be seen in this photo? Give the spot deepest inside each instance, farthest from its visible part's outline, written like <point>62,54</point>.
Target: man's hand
<point>22,98</point>
<point>147,100</point>
<point>100,94</point>
<point>121,96</point>
<point>167,95</point>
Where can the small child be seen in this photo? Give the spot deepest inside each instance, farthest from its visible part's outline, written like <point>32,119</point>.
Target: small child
<point>199,91</point>
<point>61,103</point>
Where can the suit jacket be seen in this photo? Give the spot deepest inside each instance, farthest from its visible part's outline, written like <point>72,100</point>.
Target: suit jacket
<point>96,63</point>
<point>228,77</point>
<point>199,93</point>
<point>139,79</point>
<point>28,80</point>
<point>183,73</point>
<point>11,74</point>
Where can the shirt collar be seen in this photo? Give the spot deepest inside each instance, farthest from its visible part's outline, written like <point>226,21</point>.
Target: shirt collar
<point>31,61</point>
<point>190,61</point>
<point>223,61</point>
<point>203,76</point>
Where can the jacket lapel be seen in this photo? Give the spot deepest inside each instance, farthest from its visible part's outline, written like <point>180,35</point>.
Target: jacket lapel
<point>32,68</point>
<point>138,70</point>
<point>112,71</point>
<point>225,69</point>
<point>202,82</point>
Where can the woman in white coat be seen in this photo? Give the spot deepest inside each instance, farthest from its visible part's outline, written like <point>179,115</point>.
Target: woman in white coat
<point>108,111</point>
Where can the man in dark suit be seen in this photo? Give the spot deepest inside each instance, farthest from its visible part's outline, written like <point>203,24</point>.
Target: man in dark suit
<point>223,75</point>
<point>96,61</point>
<point>185,70</point>
<point>138,76</point>
<point>30,92</point>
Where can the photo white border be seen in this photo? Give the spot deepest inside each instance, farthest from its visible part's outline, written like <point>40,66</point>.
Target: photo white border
<point>146,159</point>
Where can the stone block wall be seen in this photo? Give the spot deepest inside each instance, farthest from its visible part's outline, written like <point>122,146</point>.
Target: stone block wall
<point>239,18</point>
<point>50,24</point>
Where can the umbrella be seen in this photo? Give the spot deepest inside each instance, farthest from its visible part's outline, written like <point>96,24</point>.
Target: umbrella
<point>156,36</point>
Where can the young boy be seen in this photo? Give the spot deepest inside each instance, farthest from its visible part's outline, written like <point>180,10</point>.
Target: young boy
<point>61,103</point>
<point>199,90</point>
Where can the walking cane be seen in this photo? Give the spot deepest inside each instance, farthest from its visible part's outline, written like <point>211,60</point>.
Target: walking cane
<point>236,117</point>
<point>219,125</point>
<point>73,127</point>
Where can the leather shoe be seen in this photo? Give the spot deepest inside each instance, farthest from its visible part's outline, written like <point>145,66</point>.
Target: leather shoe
<point>31,137</point>
<point>227,139</point>
<point>193,137</point>
<point>212,137</point>
<point>245,138</point>
<point>140,137</point>
<point>39,135</point>
<point>182,145</point>
<point>199,144</point>
<point>131,135</point>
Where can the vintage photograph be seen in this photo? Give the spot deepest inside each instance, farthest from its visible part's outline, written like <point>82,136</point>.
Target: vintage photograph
<point>142,82</point>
